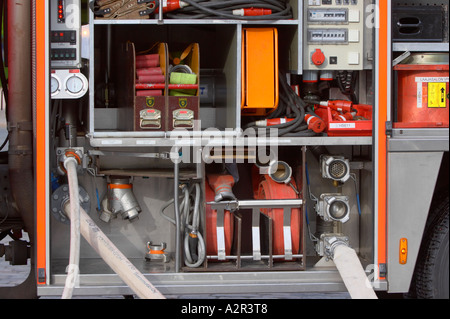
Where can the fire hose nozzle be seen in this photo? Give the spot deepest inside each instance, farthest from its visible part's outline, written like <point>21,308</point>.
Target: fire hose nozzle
<point>222,186</point>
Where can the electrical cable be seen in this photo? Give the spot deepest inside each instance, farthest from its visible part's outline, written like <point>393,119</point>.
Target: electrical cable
<point>288,101</point>
<point>346,81</point>
<point>353,176</point>
<point>189,217</point>
<point>203,9</point>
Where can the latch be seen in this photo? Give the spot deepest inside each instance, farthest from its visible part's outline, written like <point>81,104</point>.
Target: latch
<point>150,119</point>
<point>183,118</point>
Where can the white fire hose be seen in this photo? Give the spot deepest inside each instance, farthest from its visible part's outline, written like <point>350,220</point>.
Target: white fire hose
<point>82,223</point>
<point>115,259</point>
<point>70,164</point>
<point>352,273</point>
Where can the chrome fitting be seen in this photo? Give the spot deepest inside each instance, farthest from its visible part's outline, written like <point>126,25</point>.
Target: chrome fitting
<point>120,200</point>
<point>327,243</point>
<point>156,252</point>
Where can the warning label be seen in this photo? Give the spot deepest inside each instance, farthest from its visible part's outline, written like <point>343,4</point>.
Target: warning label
<point>437,93</point>
<point>432,92</point>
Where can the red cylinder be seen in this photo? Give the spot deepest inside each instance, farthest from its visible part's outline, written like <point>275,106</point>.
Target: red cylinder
<point>269,189</point>
<point>211,222</point>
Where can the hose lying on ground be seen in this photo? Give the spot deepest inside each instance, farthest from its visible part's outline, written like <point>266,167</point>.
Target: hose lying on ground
<point>114,258</point>
<point>352,273</point>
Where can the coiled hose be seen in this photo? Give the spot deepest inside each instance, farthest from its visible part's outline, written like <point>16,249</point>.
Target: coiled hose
<point>189,218</point>
<point>204,9</point>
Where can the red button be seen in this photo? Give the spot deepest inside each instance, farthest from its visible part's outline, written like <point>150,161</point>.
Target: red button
<point>318,58</point>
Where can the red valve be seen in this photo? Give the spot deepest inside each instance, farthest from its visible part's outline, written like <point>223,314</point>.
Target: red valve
<point>318,58</point>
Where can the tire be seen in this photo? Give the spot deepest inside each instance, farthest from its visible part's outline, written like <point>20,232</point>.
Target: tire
<point>432,270</point>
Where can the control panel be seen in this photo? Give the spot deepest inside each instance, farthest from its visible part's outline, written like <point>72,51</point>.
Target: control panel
<point>334,35</point>
<point>65,37</point>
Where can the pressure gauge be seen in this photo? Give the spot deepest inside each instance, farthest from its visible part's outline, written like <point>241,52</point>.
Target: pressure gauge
<point>74,84</point>
<point>54,85</point>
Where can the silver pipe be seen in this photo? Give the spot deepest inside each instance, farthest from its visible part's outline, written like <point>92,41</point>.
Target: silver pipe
<point>176,171</point>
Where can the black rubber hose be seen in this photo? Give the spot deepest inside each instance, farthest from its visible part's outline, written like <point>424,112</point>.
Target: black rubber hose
<point>223,9</point>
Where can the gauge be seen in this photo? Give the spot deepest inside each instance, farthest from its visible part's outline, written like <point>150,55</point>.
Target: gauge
<point>74,84</point>
<point>54,85</point>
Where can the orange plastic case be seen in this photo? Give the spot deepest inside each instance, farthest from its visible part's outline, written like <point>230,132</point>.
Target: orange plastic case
<point>259,71</point>
<point>423,96</point>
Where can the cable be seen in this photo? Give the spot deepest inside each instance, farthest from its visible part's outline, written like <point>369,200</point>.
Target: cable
<point>353,176</point>
<point>291,106</point>
<point>346,81</point>
<point>312,197</point>
<point>189,217</point>
<point>203,9</point>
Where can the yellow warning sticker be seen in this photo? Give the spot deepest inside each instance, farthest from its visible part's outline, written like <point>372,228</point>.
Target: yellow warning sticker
<point>437,94</point>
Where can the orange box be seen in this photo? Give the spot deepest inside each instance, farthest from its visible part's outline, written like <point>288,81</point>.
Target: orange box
<point>259,70</point>
<point>423,96</point>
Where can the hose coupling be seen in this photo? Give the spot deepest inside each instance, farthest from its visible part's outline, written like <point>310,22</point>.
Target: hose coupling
<point>66,155</point>
<point>120,199</point>
<point>328,243</point>
<point>157,252</point>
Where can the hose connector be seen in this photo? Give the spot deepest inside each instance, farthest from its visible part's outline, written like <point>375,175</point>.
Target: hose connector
<point>66,155</point>
<point>328,242</point>
<point>120,199</point>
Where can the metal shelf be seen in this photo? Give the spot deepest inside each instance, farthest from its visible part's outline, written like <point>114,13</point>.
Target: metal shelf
<point>193,22</point>
<point>419,140</point>
<point>420,47</point>
<point>129,139</point>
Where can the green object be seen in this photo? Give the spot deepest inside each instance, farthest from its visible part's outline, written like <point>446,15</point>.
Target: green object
<point>182,78</point>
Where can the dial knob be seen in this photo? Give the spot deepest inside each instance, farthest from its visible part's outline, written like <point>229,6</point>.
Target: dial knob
<point>54,85</point>
<point>74,84</point>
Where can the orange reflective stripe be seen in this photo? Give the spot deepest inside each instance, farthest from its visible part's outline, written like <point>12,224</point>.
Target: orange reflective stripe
<point>156,252</point>
<point>41,147</point>
<point>119,186</point>
<point>383,95</point>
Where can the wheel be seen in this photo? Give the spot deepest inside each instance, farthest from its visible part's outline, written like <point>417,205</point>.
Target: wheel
<point>432,270</point>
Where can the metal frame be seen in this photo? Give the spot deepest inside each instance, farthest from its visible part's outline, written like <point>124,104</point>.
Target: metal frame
<point>101,282</point>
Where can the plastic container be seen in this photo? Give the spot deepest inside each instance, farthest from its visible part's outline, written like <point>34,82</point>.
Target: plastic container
<point>360,126</point>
